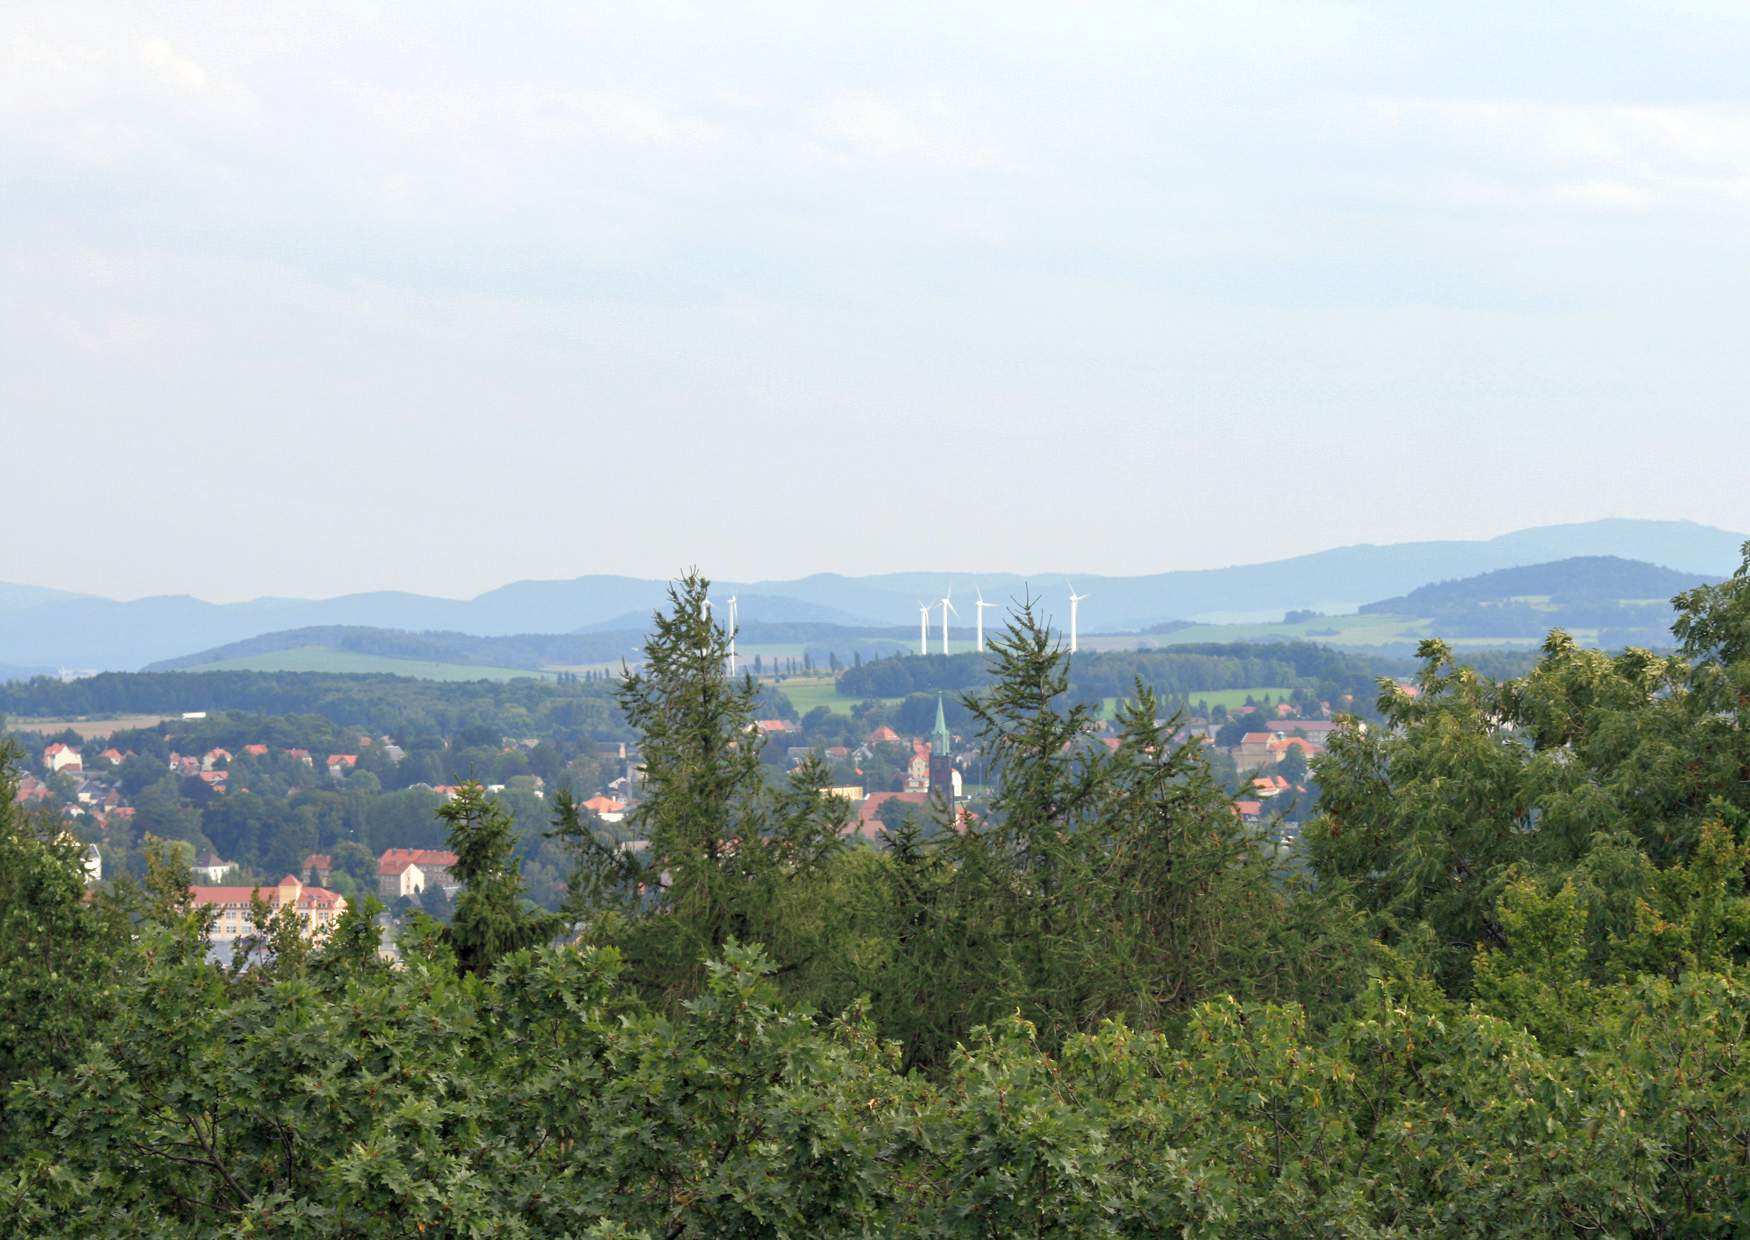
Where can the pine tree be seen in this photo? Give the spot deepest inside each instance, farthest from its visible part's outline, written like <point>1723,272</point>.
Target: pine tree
<point>722,851</point>
<point>491,919</point>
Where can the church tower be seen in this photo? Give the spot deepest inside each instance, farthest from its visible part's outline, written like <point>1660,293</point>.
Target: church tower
<point>941,761</point>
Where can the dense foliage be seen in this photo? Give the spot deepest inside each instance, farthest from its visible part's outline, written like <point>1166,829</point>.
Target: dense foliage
<point>400,705</point>
<point>1178,674</point>
<point>1509,1001</point>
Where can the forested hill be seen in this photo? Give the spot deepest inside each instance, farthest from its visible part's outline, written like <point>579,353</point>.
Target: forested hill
<point>524,650</point>
<point>1616,601</point>
<point>1175,674</point>
<point>1581,579</point>
<point>400,705</point>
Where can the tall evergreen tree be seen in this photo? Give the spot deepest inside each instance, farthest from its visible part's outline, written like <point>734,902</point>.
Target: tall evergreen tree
<point>721,851</point>
<point>491,917</point>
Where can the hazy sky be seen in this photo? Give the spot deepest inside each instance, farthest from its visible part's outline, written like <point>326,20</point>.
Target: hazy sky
<point>309,298</point>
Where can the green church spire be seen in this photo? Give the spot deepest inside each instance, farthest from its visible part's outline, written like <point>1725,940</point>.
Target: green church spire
<point>940,742</point>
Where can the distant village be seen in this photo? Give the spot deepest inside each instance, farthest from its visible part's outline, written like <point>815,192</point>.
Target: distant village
<point>884,777</point>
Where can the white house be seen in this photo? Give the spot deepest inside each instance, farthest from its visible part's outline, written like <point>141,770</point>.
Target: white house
<point>212,869</point>
<point>399,878</point>
<point>60,757</point>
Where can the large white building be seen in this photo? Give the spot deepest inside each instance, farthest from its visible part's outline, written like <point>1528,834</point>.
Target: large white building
<point>318,908</point>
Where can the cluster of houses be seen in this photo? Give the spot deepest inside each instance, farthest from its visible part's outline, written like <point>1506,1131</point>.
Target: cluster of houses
<point>94,791</point>
<point>1259,751</point>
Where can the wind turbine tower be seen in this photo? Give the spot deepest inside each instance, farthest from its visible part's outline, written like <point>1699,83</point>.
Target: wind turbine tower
<point>981,605</point>
<point>924,628</point>
<point>947,606</point>
<point>732,628</point>
<point>1074,601</point>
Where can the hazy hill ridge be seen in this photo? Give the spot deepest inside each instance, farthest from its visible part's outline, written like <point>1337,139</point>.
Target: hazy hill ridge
<point>1624,602</point>
<point>42,629</point>
<point>1602,578</point>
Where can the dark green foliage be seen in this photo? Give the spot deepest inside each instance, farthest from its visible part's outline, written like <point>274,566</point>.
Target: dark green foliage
<point>399,705</point>
<point>1176,674</point>
<point>491,919</point>
<point>719,854</point>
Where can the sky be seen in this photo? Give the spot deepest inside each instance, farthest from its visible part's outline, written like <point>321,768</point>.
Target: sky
<point>307,298</point>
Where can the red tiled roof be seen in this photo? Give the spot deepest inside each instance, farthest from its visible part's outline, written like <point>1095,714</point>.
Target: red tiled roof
<point>316,861</point>
<point>255,751</point>
<point>604,805</point>
<point>343,759</point>
<point>308,897</point>
<point>394,860</point>
<point>882,735</point>
<point>872,803</point>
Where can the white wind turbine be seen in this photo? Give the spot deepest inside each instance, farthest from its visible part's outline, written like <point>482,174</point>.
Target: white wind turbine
<point>947,606</point>
<point>924,610</point>
<point>1074,601</point>
<point>732,628</point>
<point>981,605</point>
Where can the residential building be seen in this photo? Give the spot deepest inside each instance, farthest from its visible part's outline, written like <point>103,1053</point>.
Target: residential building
<point>212,869</point>
<point>434,867</point>
<point>869,822</point>
<point>917,768</point>
<point>59,757</point>
<point>399,878</point>
<point>1261,749</point>
<point>316,868</point>
<point>606,808</point>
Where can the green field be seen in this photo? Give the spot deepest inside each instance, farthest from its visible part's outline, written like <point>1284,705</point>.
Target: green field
<point>327,659</point>
<point>808,692</point>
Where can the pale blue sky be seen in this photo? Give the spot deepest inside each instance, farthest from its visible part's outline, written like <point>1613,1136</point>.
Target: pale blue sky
<point>310,298</point>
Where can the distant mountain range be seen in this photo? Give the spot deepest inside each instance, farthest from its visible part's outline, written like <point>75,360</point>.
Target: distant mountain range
<point>46,628</point>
